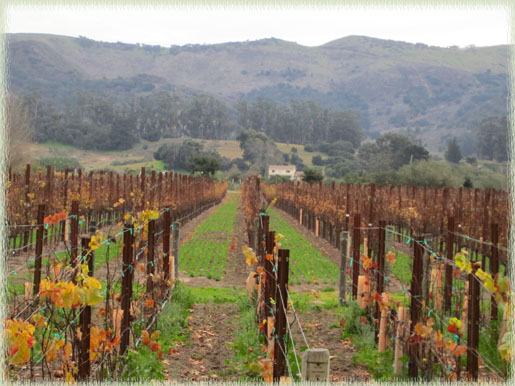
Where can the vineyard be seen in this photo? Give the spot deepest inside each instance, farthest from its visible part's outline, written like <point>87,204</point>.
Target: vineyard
<point>97,265</point>
<point>91,263</point>
<point>446,307</point>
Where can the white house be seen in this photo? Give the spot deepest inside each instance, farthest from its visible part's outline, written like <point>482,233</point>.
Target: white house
<point>282,170</point>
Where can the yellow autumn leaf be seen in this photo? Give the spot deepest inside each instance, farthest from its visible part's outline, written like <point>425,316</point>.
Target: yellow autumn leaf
<point>19,338</point>
<point>69,377</point>
<point>91,282</point>
<point>456,322</point>
<point>70,297</point>
<point>59,344</point>
<point>250,256</point>
<point>67,350</point>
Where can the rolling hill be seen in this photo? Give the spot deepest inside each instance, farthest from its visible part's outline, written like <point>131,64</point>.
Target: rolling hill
<point>434,93</point>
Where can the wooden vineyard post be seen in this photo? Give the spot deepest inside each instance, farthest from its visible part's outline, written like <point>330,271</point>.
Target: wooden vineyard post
<point>262,232</point>
<point>150,256</point>
<point>85,318</point>
<point>270,282</point>
<point>159,189</point>
<point>494,266</point>
<point>448,266</point>
<point>166,243</point>
<point>39,248</point>
<point>152,187</point>
<point>416,305</point>
<point>74,233</point>
<point>399,341</point>
<point>79,179</point>
<point>356,240</point>
<point>48,195</point>
<point>380,267</point>
<point>27,203</point>
<point>344,240</point>
<point>127,275</point>
<point>426,267</point>
<point>142,188</point>
<point>255,234</point>
<point>65,202</point>
<point>175,248</point>
<point>280,315</point>
<point>473,325</point>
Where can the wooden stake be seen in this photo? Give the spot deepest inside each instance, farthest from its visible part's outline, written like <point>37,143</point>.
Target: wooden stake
<point>382,330</point>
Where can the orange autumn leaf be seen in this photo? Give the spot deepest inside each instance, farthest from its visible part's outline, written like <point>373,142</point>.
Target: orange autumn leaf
<point>149,303</point>
<point>145,339</point>
<point>390,256</point>
<point>459,350</point>
<point>422,331</point>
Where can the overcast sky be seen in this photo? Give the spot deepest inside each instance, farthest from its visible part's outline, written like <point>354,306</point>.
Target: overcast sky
<point>310,27</point>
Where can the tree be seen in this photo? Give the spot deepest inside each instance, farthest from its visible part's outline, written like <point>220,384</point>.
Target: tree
<point>453,152</point>
<point>339,167</point>
<point>176,155</point>
<point>259,150</point>
<point>312,175</point>
<point>205,164</point>
<point>317,160</point>
<point>493,138</point>
<point>278,179</point>
<point>297,161</point>
<point>391,151</point>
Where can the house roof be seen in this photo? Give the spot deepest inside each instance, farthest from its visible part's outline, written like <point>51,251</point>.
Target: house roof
<point>281,167</point>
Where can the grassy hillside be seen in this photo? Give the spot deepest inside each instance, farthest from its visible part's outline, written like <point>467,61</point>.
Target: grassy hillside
<point>141,155</point>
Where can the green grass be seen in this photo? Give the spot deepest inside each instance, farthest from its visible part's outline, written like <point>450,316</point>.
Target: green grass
<point>307,302</point>
<point>206,252</point>
<point>306,156</point>
<point>158,166</point>
<point>246,345</point>
<point>402,269</point>
<point>307,264</point>
<point>90,159</point>
<point>362,335</point>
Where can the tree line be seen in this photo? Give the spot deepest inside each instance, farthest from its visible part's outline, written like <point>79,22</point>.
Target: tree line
<point>95,120</point>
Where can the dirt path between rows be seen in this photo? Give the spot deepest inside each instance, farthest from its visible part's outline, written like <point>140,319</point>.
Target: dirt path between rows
<point>322,330</point>
<point>211,326</point>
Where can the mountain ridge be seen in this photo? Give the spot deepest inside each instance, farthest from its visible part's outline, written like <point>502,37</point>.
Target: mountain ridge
<point>433,92</point>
